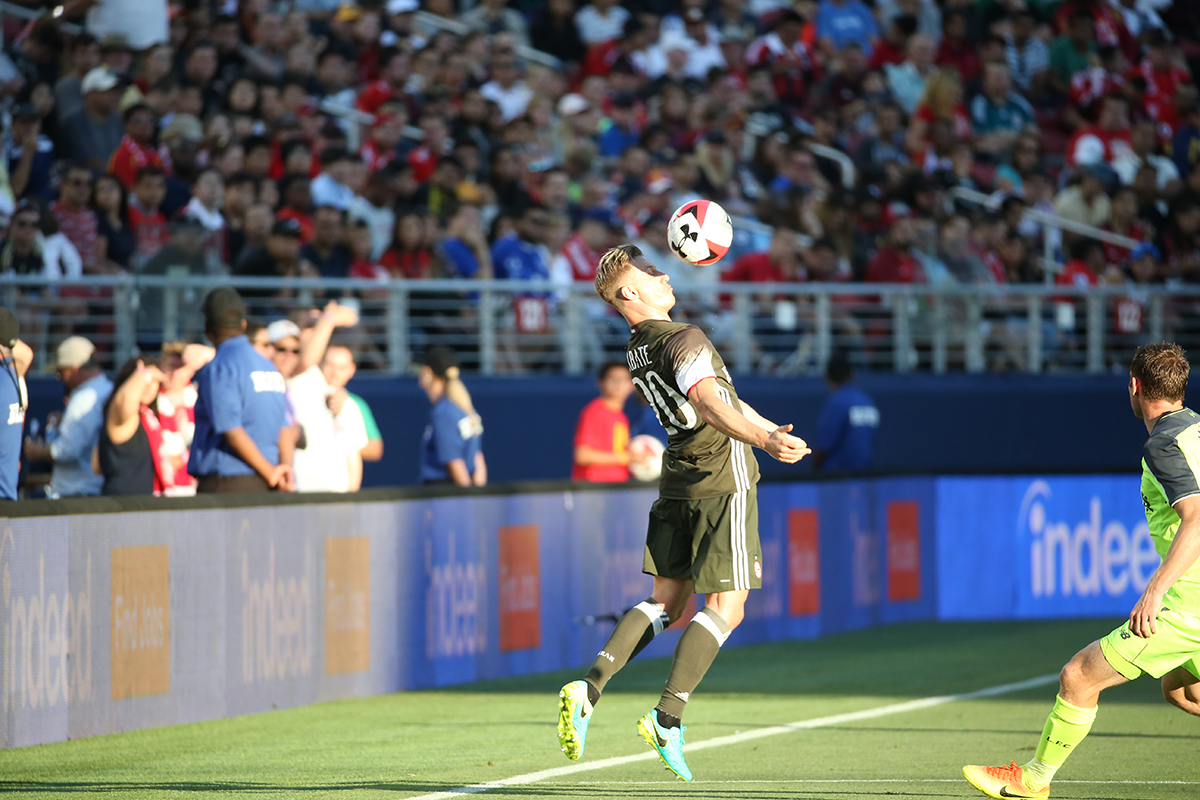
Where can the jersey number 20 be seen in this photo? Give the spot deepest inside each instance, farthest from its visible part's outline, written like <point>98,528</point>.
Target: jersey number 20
<point>668,404</point>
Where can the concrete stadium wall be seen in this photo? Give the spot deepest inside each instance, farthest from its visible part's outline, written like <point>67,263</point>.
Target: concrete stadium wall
<point>124,614</point>
<point>930,424</point>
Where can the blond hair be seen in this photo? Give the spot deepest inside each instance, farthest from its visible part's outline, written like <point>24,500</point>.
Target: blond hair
<point>612,268</point>
<point>941,93</point>
<point>456,392</point>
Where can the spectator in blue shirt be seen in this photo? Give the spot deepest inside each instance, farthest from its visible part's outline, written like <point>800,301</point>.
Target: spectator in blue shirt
<point>842,21</point>
<point>620,131</point>
<point>15,358</point>
<point>242,441</point>
<point>464,251</point>
<point>519,255</point>
<point>845,437</point>
<point>30,155</point>
<point>452,448</point>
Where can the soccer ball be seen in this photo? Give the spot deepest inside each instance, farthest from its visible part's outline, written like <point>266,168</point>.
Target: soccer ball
<point>700,232</point>
<point>645,457</point>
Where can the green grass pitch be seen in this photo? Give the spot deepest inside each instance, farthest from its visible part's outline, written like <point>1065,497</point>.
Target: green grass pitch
<point>421,743</point>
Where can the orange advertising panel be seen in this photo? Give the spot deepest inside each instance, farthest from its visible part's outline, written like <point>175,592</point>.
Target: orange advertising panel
<point>903,550</point>
<point>520,588</point>
<point>804,562</point>
<point>141,621</point>
<point>347,604</point>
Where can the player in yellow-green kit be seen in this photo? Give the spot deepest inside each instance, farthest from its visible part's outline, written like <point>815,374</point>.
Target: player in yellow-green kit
<point>1162,636</point>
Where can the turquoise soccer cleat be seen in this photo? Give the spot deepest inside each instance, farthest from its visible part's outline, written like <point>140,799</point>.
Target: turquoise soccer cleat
<point>574,714</point>
<point>667,741</point>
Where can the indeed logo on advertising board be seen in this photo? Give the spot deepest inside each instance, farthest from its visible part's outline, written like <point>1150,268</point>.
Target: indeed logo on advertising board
<point>455,614</point>
<point>141,621</point>
<point>1082,554</point>
<point>45,638</point>
<point>278,616</point>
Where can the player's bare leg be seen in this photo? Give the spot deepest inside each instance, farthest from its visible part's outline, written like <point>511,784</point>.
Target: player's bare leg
<point>1080,683</point>
<point>1182,689</point>
<point>633,633</point>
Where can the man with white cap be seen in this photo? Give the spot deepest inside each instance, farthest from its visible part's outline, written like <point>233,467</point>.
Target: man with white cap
<point>79,431</point>
<point>327,457</point>
<point>95,131</point>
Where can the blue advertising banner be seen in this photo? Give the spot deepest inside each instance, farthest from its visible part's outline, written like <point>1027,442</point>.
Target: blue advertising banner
<point>131,619</point>
<point>1061,546</point>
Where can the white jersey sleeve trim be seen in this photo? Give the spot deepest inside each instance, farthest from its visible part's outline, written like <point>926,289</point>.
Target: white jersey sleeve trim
<point>695,368</point>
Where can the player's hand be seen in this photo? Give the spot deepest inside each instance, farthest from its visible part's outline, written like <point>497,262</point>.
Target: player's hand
<point>342,316</point>
<point>335,401</point>
<point>1143,620</point>
<point>782,446</point>
<point>282,478</point>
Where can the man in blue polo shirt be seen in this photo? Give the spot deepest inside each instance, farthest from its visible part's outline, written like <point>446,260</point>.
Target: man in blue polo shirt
<point>242,442</point>
<point>15,358</point>
<point>845,437</point>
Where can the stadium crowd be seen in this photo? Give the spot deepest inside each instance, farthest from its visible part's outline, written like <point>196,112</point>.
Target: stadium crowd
<point>199,137</point>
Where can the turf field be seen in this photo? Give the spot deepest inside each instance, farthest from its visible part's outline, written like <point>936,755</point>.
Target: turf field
<point>861,733</point>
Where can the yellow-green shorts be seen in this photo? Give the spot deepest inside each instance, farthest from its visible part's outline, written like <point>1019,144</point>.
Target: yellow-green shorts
<point>1176,644</point>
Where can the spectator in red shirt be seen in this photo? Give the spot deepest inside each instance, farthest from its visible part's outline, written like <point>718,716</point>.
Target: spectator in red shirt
<point>1105,142</point>
<point>297,203</point>
<point>791,61</point>
<point>1162,77</point>
<point>601,57</point>
<point>599,229</point>
<point>891,49</point>
<point>409,255</point>
<point>393,75</point>
<point>1085,267</point>
<point>602,433</point>
<point>895,263</point>
<point>76,219</point>
<point>137,149</point>
<point>146,219</point>
<point>1123,221</point>
<point>956,51</point>
<point>942,100</point>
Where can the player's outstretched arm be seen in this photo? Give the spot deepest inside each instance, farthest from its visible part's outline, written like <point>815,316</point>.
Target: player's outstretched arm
<point>779,443</point>
<point>1181,555</point>
<point>755,417</point>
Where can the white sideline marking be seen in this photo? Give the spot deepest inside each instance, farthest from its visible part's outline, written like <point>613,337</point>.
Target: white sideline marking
<point>745,736</point>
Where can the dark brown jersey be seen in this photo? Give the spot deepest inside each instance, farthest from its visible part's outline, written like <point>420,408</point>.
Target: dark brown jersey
<point>667,359</point>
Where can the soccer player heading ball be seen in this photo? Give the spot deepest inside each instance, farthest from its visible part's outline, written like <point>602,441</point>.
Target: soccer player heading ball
<point>703,531</point>
<point>1162,636</point>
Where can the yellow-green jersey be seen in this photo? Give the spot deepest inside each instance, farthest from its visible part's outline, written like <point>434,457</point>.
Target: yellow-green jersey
<point>667,359</point>
<point>1170,473</point>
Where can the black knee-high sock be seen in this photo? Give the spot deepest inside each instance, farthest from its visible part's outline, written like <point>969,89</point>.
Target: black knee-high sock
<point>697,647</point>
<point>636,629</point>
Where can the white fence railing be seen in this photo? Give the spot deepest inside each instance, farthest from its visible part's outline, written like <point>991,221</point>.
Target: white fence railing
<point>512,327</point>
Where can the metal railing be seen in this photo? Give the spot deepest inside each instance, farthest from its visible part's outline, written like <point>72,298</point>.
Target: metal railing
<point>456,27</point>
<point>501,327</point>
<point>1051,261</point>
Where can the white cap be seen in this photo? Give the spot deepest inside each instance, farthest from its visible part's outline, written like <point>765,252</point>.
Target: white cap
<point>402,6</point>
<point>99,80</point>
<point>675,41</point>
<point>74,351</point>
<point>572,104</point>
<point>280,329</point>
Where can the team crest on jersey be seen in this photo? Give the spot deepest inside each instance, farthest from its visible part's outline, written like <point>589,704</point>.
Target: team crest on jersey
<point>16,414</point>
<point>757,569</point>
